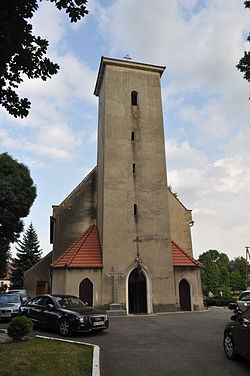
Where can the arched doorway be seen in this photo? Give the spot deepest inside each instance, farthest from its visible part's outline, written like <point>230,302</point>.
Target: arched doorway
<point>86,291</point>
<point>184,294</point>
<point>137,291</point>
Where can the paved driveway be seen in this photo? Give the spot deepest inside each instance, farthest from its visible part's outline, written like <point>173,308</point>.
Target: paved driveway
<point>179,344</point>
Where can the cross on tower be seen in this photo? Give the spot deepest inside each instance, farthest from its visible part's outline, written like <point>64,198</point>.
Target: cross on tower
<point>137,241</point>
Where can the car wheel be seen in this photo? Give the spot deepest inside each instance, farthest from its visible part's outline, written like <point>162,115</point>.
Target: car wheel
<point>64,328</point>
<point>229,346</point>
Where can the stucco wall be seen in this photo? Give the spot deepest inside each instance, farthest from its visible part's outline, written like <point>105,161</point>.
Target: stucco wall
<point>67,281</point>
<point>75,214</point>
<point>180,218</point>
<point>193,277</point>
<point>38,272</point>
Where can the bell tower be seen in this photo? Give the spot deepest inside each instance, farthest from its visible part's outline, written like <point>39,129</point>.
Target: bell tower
<point>132,202</point>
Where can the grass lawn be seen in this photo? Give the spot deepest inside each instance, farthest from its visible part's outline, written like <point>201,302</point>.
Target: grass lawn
<point>43,357</point>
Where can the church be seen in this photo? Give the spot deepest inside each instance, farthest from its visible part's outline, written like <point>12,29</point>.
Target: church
<point>121,239</point>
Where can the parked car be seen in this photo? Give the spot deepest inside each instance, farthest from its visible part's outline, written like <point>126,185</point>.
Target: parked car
<point>22,293</point>
<point>9,305</point>
<point>243,300</point>
<point>66,313</point>
<point>237,334</point>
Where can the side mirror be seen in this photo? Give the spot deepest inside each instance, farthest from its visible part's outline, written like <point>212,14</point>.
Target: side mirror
<point>50,306</point>
<point>234,317</point>
<point>233,306</point>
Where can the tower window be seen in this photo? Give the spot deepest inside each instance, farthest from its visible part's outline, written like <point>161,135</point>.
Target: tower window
<point>134,98</point>
<point>133,168</point>
<point>132,136</point>
<point>135,209</point>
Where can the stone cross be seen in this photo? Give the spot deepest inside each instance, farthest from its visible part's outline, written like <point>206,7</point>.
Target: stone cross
<point>137,240</point>
<point>115,274</point>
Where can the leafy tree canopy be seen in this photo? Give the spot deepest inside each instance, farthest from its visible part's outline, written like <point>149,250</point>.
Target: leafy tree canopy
<point>28,254</point>
<point>221,275</point>
<point>23,53</point>
<point>244,63</point>
<point>17,193</point>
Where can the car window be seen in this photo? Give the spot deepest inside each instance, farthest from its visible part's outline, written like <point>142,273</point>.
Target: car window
<point>245,296</point>
<point>70,301</point>
<point>48,300</point>
<point>39,300</point>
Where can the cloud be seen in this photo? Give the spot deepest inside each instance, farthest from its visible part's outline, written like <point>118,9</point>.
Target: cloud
<point>200,42</point>
<point>217,192</point>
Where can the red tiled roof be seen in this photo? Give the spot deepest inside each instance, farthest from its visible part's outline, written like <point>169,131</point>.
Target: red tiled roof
<point>181,258</point>
<point>85,252</point>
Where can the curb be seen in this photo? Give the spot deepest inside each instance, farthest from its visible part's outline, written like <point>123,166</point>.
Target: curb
<point>96,352</point>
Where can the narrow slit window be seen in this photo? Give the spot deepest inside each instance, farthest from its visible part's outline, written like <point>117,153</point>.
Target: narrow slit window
<point>132,136</point>
<point>133,168</point>
<point>134,98</point>
<point>135,209</point>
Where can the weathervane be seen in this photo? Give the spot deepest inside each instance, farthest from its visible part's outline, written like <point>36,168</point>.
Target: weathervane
<point>127,57</point>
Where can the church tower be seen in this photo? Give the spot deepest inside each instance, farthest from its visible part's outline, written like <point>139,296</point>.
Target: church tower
<point>121,239</point>
<point>132,200</point>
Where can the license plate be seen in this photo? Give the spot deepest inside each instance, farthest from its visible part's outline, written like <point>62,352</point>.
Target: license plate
<point>98,323</point>
<point>5,314</point>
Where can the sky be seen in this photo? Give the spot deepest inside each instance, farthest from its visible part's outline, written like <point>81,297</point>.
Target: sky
<point>205,106</point>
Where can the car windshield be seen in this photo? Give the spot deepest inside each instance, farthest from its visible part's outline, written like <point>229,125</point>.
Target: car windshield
<point>21,293</point>
<point>9,299</point>
<point>69,301</point>
<point>245,296</point>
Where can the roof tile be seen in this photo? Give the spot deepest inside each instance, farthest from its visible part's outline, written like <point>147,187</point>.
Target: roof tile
<point>181,258</point>
<point>85,252</point>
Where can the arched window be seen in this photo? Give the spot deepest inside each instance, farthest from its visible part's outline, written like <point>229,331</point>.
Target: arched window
<point>134,98</point>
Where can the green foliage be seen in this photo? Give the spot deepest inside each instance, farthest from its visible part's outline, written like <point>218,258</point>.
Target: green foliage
<point>28,254</point>
<point>221,276</point>
<point>237,282</point>
<point>19,327</point>
<point>244,63</point>
<point>219,301</point>
<point>23,53</point>
<point>17,193</point>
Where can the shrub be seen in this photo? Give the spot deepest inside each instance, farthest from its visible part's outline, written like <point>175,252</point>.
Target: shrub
<point>19,327</point>
<point>219,301</point>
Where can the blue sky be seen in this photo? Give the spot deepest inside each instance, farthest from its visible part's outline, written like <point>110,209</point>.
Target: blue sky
<point>205,105</point>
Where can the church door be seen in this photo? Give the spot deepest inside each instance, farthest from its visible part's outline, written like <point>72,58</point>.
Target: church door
<point>184,294</point>
<point>86,291</point>
<point>137,291</point>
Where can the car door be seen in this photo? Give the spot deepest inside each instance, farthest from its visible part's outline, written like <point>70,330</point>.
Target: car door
<point>35,309</point>
<point>245,332</point>
<point>49,313</point>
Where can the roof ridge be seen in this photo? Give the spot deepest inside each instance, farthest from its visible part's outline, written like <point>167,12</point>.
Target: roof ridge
<point>85,237</point>
<point>77,187</point>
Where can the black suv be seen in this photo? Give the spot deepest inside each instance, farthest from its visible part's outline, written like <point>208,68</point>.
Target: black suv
<point>237,334</point>
<point>66,313</point>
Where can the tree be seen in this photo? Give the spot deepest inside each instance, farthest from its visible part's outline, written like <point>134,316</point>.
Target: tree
<point>23,53</point>
<point>17,193</point>
<point>28,254</point>
<point>210,276</point>
<point>244,63</point>
<point>237,283</point>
